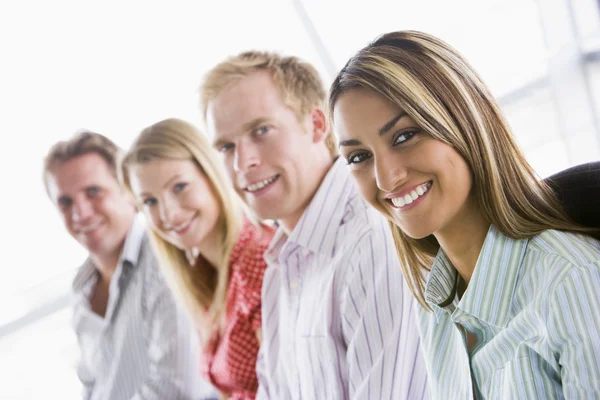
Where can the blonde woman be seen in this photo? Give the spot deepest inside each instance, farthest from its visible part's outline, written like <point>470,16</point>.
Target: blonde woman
<point>508,284</point>
<point>210,252</point>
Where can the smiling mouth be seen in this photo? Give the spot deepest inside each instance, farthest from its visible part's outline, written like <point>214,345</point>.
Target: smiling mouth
<point>180,229</point>
<point>261,185</point>
<point>86,230</point>
<point>402,201</point>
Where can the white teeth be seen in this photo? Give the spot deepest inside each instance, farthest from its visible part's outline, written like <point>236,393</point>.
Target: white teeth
<point>183,225</point>
<point>180,228</point>
<point>398,202</point>
<point>412,196</point>
<point>259,185</point>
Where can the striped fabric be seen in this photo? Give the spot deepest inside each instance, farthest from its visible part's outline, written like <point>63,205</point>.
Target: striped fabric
<point>143,348</point>
<point>534,306</point>
<point>338,320</point>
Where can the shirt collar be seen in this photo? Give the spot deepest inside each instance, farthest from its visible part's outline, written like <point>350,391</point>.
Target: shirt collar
<point>321,220</point>
<point>133,242</point>
<point>492,286</point>
<point>276,246</point>
<point>319,225</point>
<point>131,252</point>
<point>440,289</point>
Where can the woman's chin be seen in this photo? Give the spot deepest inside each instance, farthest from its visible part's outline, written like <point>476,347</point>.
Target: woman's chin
<point>413,232</point>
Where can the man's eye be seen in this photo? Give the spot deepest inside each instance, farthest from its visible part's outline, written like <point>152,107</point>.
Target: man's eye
<point>225,147</point>
<point>357,158</point>
<point>93,191</point>
<point>149,202</point>
<point>65,202</point>
<point>262,130</point>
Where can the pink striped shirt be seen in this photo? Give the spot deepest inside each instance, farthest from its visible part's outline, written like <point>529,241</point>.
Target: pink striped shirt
<point>338,317</point>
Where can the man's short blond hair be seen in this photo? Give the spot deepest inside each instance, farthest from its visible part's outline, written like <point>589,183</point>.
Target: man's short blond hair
<point>83,142</point>
<point>301,86</point>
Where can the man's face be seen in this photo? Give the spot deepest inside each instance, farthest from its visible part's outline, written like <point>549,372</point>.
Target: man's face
<point>95,211</point>
<point>268,153</point>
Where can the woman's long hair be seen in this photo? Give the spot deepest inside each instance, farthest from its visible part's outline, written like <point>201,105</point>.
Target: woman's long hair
<point>443,94</point>
<point>201,288</point>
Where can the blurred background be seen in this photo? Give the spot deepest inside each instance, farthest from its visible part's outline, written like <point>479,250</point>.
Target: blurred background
<point>116,67</point>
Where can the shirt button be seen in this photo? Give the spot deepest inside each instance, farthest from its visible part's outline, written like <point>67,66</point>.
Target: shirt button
<point>293,284</point>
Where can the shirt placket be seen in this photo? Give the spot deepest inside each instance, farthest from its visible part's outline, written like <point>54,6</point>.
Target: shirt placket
<point>301,274</point>
<point>117,284</point>
<point>293,288</point>
<point>460,318</point>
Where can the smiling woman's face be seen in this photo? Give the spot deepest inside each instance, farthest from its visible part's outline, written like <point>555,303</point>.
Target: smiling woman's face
<point>178,201</point>
<point>419,183</point>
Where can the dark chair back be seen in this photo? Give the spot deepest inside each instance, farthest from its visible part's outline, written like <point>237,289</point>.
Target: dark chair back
<point>578,188</point>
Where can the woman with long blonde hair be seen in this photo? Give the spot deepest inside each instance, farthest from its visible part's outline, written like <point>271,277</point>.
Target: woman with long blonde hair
<point>210,251</point>
<point>508,284</point>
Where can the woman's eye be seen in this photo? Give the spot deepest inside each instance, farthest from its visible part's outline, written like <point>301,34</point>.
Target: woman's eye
<point>149,202</point>
<point>404,137</point>
<point>179,187</point>
<point>357,158</point>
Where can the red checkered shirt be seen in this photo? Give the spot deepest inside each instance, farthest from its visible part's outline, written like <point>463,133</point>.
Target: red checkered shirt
<point>229,362</point>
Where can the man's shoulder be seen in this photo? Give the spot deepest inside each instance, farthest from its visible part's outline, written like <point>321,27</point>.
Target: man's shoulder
<point>147,278</point>
<point>362,224</point>
<point>148,264</point>
<point>147,257</point>
<point>366,250</point>
<point>84,277</point>
<point>152,285</point>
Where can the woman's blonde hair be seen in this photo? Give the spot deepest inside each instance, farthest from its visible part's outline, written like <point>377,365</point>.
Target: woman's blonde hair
<point>442,93</point>
<point>201,288</point>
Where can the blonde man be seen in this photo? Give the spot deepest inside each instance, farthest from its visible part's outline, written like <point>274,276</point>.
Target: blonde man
<point>134,342</point>
<point>337,314</point>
